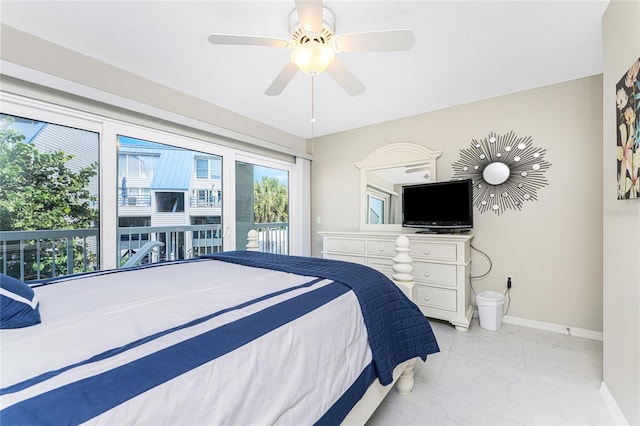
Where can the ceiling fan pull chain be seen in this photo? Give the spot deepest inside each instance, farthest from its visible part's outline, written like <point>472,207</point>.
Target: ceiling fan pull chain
<point>313,112</point>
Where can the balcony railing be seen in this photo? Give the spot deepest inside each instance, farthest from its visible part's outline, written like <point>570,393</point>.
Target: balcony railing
<point>134,200</point>
<point>34,255</point>
<point>180,242</point>
<point>273,237</point>
<point>197,201</point>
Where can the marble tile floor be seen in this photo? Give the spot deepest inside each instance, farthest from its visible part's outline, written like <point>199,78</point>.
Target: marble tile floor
<point>513,376</point>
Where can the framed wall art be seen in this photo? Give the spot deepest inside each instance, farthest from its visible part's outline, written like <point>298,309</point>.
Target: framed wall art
<point>628,133</point>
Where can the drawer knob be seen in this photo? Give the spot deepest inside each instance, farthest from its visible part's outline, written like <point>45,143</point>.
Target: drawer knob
<point>427,274</point>
<point>426,253</point>
<point>380,249</point>
<point>343,247</point>
<point>427,298</point>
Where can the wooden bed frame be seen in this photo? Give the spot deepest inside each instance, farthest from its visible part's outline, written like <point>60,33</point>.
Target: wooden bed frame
<point>403,374</point>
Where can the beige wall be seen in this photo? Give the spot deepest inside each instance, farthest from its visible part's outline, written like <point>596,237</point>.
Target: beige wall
<point>621,44</point>
<point>553,246</point>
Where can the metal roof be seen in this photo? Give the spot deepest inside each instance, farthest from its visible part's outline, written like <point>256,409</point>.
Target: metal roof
<point>173,171</point>
<point>175,166</point>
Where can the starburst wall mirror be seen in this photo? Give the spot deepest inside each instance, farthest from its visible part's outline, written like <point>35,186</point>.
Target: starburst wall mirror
<point>506,171</point>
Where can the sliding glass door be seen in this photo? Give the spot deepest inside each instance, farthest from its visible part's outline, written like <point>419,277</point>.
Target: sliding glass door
<point>130,194</point>
<point>262,203</point>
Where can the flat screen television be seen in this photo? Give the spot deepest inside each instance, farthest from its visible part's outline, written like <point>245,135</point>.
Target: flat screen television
<point>438,207</point>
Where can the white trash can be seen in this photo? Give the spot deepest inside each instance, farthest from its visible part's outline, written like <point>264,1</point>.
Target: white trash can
<point>490,304</point>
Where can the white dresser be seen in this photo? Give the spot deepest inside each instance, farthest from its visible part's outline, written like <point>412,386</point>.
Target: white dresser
<point>441,265</point>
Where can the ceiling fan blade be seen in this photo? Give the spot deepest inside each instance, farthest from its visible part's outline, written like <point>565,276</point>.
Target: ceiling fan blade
<point>281,81</point>
<point>345,78</point>
<point>310,15</point>
<point>375,41</point>
<point>247,40</point>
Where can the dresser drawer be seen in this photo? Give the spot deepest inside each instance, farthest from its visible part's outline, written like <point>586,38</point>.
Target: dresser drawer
<point>436,298</point>
<point>344,245</point>
<point>433,251</point>
<point>436,273</point>
<point>380,248</point>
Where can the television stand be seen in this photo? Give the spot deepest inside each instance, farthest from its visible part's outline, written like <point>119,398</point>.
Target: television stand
<point>444,231</point>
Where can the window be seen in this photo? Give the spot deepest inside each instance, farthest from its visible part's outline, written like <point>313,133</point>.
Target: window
<point>133,222</point>
<point>169,202</point>
<point>376,210</point>
<point>38,159</point>
<point>206,220</point>
<point>136,165</point>
<point>202,169</point>
<point>377,206</point>
<point>213,232</point>
<point>153,162</point>
<point>208,237</point>
<point>171,195</point>
<point>208,168</point>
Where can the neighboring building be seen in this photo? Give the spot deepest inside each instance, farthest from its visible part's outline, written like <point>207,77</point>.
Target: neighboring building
<point>165,187</point>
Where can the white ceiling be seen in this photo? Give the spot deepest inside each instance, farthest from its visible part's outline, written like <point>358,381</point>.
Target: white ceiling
<point>465,51</point>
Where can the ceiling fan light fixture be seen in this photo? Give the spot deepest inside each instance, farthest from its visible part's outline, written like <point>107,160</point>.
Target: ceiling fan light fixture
<point>312,57</point>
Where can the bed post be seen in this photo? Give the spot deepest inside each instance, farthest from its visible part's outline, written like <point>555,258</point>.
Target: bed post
<point>252,241</point>
<point>403,267</point>
<point>403,277</point>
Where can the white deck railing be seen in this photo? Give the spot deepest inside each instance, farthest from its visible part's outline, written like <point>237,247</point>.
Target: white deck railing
<point>273,237</point>
<point>34,255</point>
<point>42,254</point>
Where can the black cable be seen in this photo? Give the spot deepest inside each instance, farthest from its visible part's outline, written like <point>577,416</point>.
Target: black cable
<point>508,294</point>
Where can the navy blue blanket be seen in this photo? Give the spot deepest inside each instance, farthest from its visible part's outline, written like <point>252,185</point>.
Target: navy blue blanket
<point>397,330</point>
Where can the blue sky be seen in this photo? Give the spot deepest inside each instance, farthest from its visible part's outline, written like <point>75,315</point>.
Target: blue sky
<point>281,175</point>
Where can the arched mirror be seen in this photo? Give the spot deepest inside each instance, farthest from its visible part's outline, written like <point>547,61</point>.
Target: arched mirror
<point>382,175</point>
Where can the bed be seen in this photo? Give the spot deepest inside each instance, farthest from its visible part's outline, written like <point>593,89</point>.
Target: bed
<point>233,338</point>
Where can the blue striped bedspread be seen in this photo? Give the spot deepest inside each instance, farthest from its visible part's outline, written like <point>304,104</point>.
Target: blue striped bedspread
<point>171,348</point>
<point>397,330</point>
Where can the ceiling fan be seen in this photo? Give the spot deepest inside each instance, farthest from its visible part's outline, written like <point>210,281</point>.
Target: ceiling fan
<point>314,45</point>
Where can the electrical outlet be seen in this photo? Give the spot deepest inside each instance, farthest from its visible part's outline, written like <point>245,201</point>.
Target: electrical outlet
<point>509,280</point>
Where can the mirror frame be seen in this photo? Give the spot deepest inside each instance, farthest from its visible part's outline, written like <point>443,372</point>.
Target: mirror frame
<point>399,154</point>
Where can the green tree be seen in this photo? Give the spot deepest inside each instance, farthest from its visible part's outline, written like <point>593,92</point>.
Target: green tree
<point>39,192</point>
<point>271,201</point>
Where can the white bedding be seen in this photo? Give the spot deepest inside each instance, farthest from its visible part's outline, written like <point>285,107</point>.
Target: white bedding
<point>284,377</point>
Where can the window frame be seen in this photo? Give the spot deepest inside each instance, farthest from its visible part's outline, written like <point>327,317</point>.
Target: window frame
<point>384,197</point>
<point>109,128</point>
<point>48,113</point>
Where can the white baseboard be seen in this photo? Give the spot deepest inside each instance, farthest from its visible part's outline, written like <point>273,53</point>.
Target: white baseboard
<point>611,404</point>
<point>557,328</point>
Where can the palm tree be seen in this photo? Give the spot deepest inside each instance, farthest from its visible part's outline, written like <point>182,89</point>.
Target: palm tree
<point>271,203</point>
